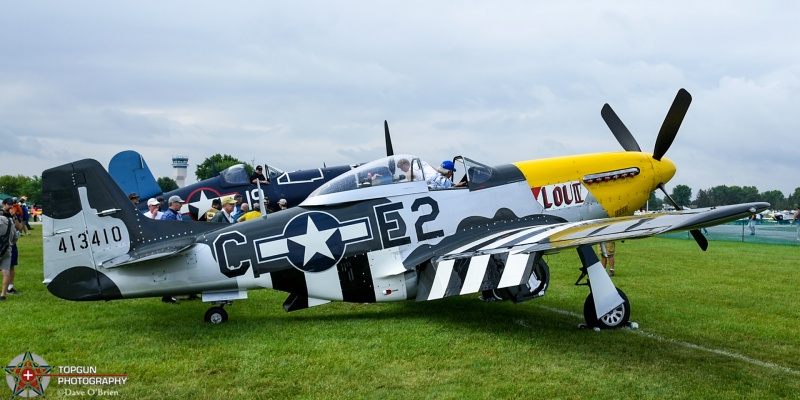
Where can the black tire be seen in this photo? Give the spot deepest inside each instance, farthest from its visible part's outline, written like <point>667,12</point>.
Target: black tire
<point>616,318</point>
<point>216,315</point>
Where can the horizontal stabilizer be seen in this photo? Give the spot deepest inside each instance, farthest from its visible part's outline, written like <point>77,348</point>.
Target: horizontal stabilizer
<point>152,252</point>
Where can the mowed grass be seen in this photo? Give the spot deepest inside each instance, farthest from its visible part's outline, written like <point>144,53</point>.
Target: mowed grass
<point>715,324</point>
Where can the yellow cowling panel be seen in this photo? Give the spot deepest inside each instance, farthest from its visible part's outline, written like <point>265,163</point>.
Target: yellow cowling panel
<point>617,197</point>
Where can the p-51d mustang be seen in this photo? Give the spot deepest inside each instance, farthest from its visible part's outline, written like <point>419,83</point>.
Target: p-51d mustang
<point>376,233</point>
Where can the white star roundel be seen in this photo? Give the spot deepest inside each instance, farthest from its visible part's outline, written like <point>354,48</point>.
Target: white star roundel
<point>313,241</point>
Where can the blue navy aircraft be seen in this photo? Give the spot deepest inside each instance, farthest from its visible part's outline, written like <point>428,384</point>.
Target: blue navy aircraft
<point>376,233</point>
<point>131,172</point>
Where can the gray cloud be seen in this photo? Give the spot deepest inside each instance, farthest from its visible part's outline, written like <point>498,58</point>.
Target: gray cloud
<point>296,85</point>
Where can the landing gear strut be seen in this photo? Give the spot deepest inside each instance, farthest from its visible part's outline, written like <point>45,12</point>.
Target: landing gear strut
<point>603,297</point>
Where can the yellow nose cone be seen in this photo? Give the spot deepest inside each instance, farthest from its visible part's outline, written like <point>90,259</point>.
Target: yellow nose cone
<point>663,170</point>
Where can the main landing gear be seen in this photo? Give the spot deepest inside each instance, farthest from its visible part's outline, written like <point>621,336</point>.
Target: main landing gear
<point>611,302</point>
<point>217,314</point>
<point>616,318</point>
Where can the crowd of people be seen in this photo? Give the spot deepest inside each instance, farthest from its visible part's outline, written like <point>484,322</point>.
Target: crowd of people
<point>227,210</point>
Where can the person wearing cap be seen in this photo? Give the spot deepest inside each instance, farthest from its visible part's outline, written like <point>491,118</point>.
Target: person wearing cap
<point>8,228</point>
<point>134,198</point>
<point>216,205</point>
<point>174,210</point>
<point>283,204</point>
<point>225,215</point>
<point>152,209</point>
<point>444,178</point>
<point>258,176</point>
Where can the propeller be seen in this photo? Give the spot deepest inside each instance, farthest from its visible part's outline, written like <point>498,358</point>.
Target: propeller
<point>389,150</point>
<point>672,122</point>
<point>669,129</point>
<point>619,129</point>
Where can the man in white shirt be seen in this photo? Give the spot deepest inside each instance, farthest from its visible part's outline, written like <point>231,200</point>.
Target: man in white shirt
<point>152,209</point>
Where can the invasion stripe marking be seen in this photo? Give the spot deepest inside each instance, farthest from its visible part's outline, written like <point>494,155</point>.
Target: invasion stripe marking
<point>515,267</point>
<point>441,280</point>
<point>475,274</point>
<point>540,236</point>
<point>470,245</point>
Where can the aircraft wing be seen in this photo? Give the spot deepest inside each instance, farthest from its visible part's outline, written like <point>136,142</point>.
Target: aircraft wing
<point>570,235</point>
<point>473,266</point>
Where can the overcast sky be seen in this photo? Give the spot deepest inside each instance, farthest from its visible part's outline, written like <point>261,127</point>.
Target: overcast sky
<point>299,84</point>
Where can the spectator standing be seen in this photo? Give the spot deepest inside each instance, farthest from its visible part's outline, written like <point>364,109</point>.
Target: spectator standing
<point>267,208</point>
<point>173,213</point>
<point>282,204</point>
<point>238,207</point>
<point>225,214</point>
<point>216,205</point>
<point>26,213</point>
<point>251,214</point>
<point>607,250</point>
<point>174,210</point>
<point>752,224</point>
<point>796,222</point>
<point>152,209</point>
<point>8,231</point>
<point>21,229</point>
<point>242,211</point>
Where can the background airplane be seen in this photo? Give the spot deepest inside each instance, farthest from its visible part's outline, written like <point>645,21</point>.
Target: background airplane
<point>132,174</point>
<point>372,234</point>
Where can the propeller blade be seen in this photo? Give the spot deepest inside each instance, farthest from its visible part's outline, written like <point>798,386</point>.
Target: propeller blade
<point>389,150</point>
<point>696,234</point>
<point>700,239</point>
<point>620,131</point>
<point>672,122</point>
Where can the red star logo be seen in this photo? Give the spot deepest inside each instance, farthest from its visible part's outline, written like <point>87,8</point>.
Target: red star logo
<point>28,375</point>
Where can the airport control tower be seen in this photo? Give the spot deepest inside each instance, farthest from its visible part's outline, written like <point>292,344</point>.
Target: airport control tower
<point>179,165</point>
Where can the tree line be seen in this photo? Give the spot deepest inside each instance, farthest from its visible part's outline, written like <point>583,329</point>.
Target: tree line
<point>723,195</point>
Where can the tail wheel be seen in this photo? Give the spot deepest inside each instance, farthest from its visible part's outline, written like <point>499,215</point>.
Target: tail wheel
<point>616,318</point>
<point>216,315</point>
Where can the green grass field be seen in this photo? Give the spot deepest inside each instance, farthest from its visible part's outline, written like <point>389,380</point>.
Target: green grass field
<point>715,324</point>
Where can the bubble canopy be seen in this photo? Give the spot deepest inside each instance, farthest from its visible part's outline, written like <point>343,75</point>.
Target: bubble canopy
<point>389,173</point>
